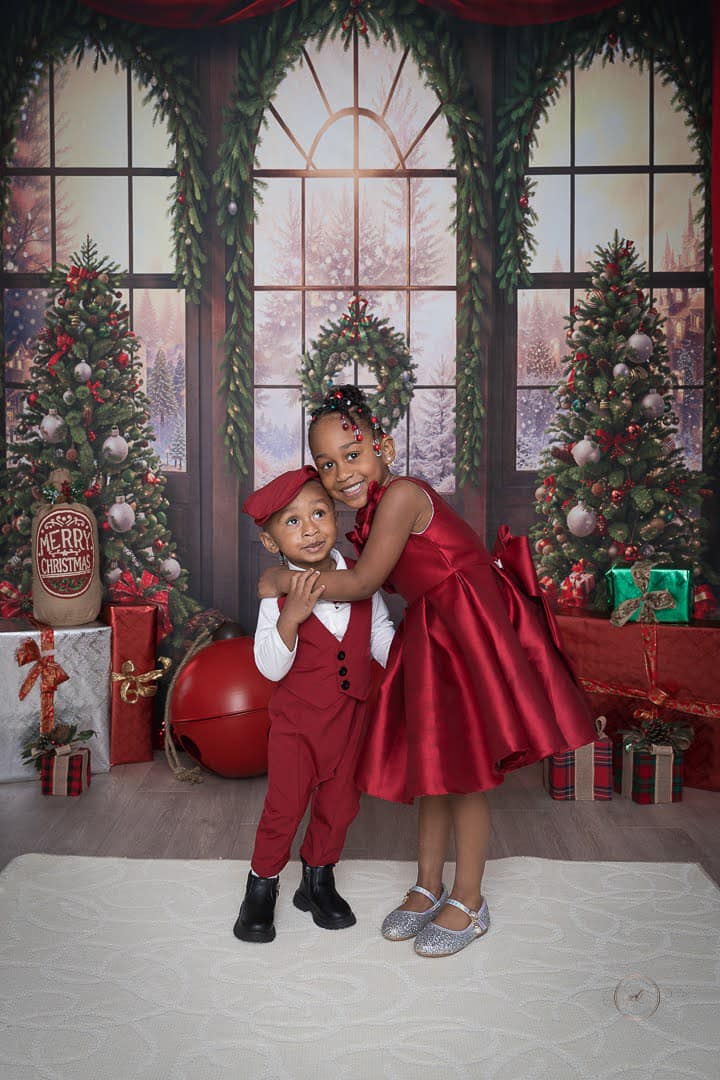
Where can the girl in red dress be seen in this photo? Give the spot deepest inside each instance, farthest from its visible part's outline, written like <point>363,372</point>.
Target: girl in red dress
<point>476,682</point>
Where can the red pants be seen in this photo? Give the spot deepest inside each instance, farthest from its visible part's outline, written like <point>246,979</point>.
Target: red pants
<point>312,758</point>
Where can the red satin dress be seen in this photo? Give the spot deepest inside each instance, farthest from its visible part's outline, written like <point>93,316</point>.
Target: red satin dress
<point>477,682</point>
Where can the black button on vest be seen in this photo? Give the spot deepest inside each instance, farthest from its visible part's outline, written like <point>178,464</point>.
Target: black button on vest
<point>342,671</point>
<point>345,685</point>
<point>341,655</point>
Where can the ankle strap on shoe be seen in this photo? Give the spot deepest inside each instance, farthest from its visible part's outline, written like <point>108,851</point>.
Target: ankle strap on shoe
<point>477,918</point>
<point>425,892</point>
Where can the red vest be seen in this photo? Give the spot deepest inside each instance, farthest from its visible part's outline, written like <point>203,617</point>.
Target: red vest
<point>325,669</point>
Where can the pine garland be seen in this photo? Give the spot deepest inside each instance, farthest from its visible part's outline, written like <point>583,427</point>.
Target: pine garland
<point>678,43</point>
<point>38,34</point>
<point>268,51</point>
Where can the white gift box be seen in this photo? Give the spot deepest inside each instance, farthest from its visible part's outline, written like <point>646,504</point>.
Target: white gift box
<point>83,653</point>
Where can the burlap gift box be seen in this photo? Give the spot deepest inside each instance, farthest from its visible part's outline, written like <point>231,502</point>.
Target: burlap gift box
<point>582,775</point>
<point>652,775</point>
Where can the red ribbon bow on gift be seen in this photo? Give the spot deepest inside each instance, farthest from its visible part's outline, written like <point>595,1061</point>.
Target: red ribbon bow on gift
<point>12,601</point>
<point>128,591</point>
<point>46,669</point>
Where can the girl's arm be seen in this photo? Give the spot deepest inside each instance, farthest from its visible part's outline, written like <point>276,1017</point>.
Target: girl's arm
<point>402,510</point>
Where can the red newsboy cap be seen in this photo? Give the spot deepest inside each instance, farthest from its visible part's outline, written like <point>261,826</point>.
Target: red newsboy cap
<point>266,501</point>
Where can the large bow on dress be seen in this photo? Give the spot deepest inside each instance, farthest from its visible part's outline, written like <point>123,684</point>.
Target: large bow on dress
<point>516,558</point>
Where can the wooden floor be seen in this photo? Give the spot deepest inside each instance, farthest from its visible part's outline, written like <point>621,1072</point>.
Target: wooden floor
<point>141,811</point>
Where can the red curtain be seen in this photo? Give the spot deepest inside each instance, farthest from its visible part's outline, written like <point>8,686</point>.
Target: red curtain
<point>206,13</point>
<point>198,13</point>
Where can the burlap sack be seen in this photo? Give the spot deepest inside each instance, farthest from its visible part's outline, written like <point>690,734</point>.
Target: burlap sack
<point>66,587</point>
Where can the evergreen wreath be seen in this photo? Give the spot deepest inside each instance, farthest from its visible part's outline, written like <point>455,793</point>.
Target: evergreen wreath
<point>368,340</point>
<point>678,44</point>
<point>40,33</point>
<point>269,49</point>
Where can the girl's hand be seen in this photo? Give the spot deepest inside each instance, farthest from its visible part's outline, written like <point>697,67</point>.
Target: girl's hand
<point>274,582</point>
<point>303,595</point>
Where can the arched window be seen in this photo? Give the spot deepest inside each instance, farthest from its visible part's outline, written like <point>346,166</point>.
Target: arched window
<point>614,153</point>
<point>90,160</point>
<point>358,199</point>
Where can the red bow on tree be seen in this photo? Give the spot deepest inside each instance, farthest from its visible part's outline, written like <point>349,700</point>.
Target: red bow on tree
<point>64,343</point>
<point>12,601</point>
<point>76,274</point>
<point>614,443</point>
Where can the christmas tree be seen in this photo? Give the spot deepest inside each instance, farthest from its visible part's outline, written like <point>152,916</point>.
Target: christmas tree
<point>85,413</point>
<point>614,484</point>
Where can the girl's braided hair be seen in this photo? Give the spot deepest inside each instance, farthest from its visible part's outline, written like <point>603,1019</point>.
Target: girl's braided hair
<point>350,403</point>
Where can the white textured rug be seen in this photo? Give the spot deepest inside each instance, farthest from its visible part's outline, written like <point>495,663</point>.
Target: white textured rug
<point>120,969</point>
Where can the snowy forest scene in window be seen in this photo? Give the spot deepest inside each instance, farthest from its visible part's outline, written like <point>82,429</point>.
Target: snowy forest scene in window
<point>90,161</point>
<point>626,164</point>
<point>357,199</point>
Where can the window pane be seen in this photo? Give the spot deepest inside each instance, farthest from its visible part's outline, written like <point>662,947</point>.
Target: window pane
<point>383,231</point>
<point>551,201</point>
<point>606,203</point>
<point>278,331</point>
<point>684,312</point>
<point>324,307</point>
<point>377,69</point>
<point>385,305</point>
<point>541,342</point>
<point>299,103</point>
<point>434,149</point>
<point>611,115</point>
<point>96,206</point>
<point>153,250</point>
<point>91,116</point>
<point>150,149</point>
<point>553,134</point>
<point>26,239</point>
<point>277,234</point>
<point>335,73</point>
<point>278,433</point>
<point>688,407</point>
<point>159,322</point>
<point>432,336</point>
<point>33,137</point>
<point>678,240</point>
<point>376,148</point>
<point>400,435</point>
<point>432,242</point>
<point>275,149</point>
<point>335,148</point>
<point>24,316</point>
<point>535,410</point>
<point>329,232</point>
<point>672,145</point>
<point>412,105</point>
<point>432,438</point>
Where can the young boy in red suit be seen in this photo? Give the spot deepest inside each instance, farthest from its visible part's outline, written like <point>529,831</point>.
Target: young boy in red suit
<point>319,653</point>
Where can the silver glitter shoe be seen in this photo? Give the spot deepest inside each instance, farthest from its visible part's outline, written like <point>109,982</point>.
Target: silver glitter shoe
<point>400,925</point>
<point>437,940</point>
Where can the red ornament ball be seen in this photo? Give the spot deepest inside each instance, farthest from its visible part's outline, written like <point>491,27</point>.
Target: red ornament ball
<point>158,544</point>
<point>523,202</point>
<point>105,525</point>
<point>218,709</point>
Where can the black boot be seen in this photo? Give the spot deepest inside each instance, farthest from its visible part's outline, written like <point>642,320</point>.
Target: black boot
<point>255,921</point>
<point>318,895</point>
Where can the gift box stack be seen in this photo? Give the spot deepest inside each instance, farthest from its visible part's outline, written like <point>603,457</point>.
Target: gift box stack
<point>52,677</point>
<point>585,774</point>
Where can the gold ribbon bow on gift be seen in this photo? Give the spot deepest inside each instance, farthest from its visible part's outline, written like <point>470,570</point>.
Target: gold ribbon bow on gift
<point>648,603</point>
<point>678,736</point>
<point>59,750</point>
<point>133,687</point>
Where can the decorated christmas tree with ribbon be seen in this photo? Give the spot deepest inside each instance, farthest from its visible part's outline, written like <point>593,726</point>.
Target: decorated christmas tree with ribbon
<point>86,421</point>
<point>614,484</point>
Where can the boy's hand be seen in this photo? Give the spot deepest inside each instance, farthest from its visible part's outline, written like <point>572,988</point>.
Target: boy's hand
<point>303,594</point>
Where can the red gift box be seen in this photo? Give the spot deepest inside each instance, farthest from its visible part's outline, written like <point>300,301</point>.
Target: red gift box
<point>584,774</point>
<point>134,680</point>
<point>66,772</point>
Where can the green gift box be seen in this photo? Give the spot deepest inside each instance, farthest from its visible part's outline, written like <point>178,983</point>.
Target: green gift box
<point>643,592</point>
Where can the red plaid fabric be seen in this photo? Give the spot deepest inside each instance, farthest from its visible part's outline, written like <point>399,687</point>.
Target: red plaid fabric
<point>643,774</point>
<point>560,773</point>
<point>53,780</point>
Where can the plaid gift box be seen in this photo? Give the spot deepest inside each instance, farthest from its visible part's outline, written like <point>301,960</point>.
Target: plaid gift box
<point>584,774</point>
<point>648,776</point>
<point>65,773</point>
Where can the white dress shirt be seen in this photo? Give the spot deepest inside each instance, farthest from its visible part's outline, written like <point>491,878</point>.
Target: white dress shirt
<point>274,659</point>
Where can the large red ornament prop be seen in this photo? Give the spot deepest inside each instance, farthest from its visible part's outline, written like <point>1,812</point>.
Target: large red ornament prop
<point>218,709</point>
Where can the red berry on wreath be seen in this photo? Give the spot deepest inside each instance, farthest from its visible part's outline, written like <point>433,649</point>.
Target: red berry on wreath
<point>524,202</point>
<point>181,199</point>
